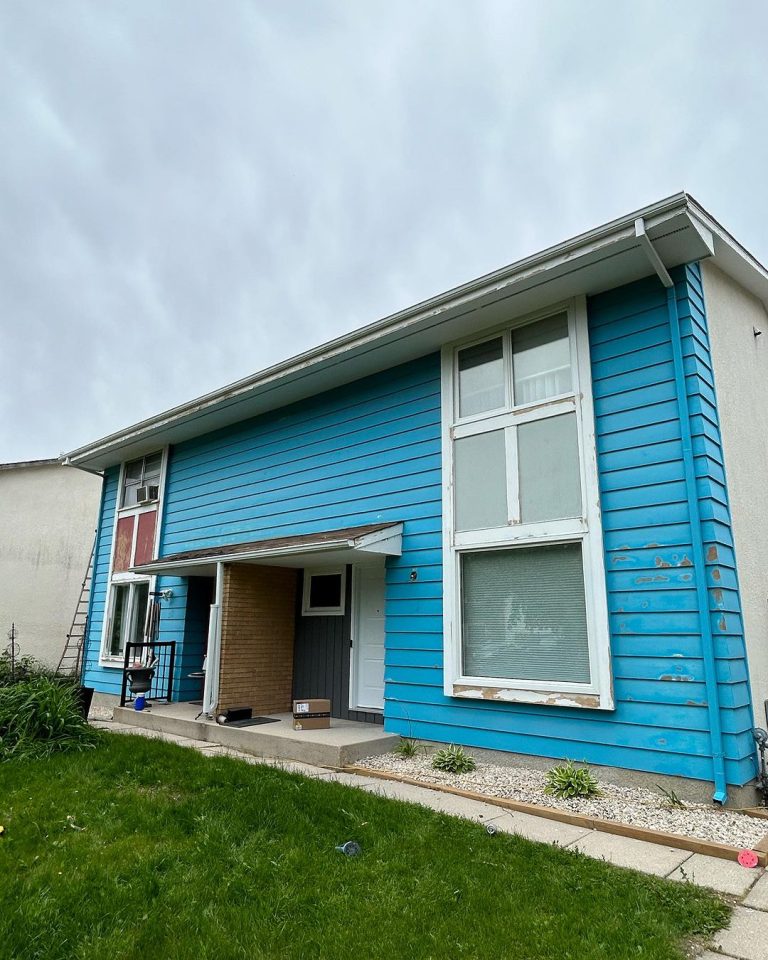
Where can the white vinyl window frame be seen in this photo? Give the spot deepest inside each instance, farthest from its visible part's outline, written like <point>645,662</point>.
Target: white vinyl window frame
<point>586,529</point>
<point>130,614</point>
<point>307,610</point>
<point>106,659</point>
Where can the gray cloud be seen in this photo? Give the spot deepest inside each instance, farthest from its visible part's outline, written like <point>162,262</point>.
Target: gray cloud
<point>190,191</point>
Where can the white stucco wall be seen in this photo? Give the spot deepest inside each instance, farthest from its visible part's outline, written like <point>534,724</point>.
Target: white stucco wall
<point>48,515</point>
<point>741,379</point>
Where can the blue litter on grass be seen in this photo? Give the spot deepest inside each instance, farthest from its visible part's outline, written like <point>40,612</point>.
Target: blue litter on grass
<point>350,849</point>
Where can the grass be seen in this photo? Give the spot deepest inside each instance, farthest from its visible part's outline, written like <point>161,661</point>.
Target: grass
<point>142,848</point>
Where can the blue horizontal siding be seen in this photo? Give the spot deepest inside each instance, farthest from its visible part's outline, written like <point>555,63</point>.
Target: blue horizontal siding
<point>370,451</point>
<point>661,720</point>
<point>103,679</point>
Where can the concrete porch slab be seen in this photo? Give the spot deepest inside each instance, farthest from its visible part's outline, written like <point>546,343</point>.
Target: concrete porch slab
<point>344,743</point>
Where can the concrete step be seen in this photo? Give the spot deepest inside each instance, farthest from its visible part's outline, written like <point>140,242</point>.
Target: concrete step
<point>344,743</point>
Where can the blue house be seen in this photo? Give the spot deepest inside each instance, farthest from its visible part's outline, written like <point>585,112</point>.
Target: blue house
<point>524,515</point>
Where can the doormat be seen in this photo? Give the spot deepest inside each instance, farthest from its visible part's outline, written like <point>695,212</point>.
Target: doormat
<point>251,722</point>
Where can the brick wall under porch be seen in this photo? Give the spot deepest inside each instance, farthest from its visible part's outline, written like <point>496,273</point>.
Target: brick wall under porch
<point>257,636</point>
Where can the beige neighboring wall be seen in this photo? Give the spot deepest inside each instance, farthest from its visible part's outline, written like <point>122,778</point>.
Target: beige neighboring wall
<point>48,515</point>
<point>257,629</point>
<point>741,378</point>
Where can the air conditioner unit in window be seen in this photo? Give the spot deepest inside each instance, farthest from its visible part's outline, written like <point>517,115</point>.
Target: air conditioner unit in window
<point>147,494</point>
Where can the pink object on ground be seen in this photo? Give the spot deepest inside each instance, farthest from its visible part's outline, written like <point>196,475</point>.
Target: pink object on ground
<point>748,858</point>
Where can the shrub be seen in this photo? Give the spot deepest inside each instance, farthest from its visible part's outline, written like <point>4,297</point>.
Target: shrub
<point>24,668</point>
<point>453,759</point>
<point>407,748</point>
<point>568,780</point>
<point>39,717</point>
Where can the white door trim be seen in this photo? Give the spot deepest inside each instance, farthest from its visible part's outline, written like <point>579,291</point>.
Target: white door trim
<point>354,659</point>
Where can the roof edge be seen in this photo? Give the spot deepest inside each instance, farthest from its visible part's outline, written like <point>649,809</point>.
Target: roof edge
<point>680,202</point>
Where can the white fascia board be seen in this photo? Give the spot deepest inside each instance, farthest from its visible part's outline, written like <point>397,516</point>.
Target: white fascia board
<point>609,254</point>
<point>387,542</point>
<point>730,256</point>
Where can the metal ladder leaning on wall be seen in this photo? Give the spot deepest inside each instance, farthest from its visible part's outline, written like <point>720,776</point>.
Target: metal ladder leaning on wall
<point>71,662</point>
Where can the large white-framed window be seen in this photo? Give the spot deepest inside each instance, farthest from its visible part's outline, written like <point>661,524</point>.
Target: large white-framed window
<point>128,608</point>
<point>525,612</point>
<point>134,537</point>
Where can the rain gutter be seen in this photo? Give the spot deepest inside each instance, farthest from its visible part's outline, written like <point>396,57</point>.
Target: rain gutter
<point>697,537</point>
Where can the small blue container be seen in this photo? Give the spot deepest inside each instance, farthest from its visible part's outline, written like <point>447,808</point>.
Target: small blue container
<point>140,702</point>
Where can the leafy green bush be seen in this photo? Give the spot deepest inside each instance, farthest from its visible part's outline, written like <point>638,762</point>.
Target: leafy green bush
<point>41,716</point>
<point>568,780</point>
<point>24,668</point>
<point>453,759</point>
<point>407,748</point>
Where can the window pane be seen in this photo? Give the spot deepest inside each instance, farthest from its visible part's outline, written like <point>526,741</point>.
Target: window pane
<point>152,467</point>
<point>133,471</point>
<point>548,455</point>
<point>524,614</point>
<point>541,360</point>
<point>325,591</point>
<point>481,378</point>
<point>481,481</point>
<point>139,613</point>
<point>119,619</point>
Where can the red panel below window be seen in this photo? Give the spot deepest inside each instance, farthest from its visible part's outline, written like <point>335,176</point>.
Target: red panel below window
<point>123,544</point>
<point>145,538</point>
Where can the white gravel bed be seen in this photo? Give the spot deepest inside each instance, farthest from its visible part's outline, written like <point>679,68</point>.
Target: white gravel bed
<point>632,805</point>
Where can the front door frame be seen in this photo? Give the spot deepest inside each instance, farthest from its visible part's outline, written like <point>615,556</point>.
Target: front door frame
<point>354,642</point>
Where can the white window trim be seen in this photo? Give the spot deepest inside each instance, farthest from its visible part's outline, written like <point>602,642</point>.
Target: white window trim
<point>306,610</point>
<point>598,694</point>
<point>119,658</point>
<point>151,504</point>
<point>105,658</point>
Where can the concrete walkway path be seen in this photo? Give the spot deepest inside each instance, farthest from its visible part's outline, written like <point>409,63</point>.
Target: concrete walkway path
<point>745,939</point>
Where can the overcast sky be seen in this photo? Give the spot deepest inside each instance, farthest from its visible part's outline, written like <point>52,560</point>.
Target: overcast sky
<point>190,191</point>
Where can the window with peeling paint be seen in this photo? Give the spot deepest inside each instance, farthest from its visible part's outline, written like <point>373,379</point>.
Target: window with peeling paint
<point>527,607</point>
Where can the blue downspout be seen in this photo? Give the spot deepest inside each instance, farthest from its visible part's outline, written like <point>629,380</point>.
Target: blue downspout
<point>702,594</point>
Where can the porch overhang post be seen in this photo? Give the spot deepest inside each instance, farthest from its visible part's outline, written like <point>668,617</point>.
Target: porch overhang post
<point>213,659</point>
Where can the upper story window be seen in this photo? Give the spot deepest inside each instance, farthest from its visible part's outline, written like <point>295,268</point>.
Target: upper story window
<point>525,609</point>
<point>141,480</point>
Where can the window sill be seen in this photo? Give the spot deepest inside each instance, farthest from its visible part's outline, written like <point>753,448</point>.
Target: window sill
<point>113,663</point>
<point>549,698</point>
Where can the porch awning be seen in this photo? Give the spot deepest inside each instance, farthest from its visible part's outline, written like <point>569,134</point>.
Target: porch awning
<point>333,546</point>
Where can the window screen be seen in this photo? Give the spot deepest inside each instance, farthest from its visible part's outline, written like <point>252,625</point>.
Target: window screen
<point>524,614</point>
<point>548,458</point>
<point>324,591</point>
<point>541,360</point>
<point>481,481</point>
<point>481,378</point>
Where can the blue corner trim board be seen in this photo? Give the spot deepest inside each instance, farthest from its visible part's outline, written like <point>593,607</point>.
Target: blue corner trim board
<point>370,451</point>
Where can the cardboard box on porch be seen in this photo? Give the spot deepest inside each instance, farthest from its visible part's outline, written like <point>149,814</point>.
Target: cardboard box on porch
<point>311,714</point>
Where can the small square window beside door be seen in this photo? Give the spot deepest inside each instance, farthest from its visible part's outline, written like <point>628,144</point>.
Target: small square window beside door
<point>323,593</point>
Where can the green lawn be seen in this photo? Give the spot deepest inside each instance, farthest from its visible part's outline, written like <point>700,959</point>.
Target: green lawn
<point>182,856</point>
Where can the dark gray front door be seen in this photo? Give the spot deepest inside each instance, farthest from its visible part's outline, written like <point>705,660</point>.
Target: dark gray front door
<point>321,658</point>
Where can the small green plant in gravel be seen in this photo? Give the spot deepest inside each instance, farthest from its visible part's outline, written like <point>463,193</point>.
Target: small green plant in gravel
<point>39,717</point>
<point>671,799</point>
<point>453,759</point>
<point>567,780</point>
<point>407,748</point>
